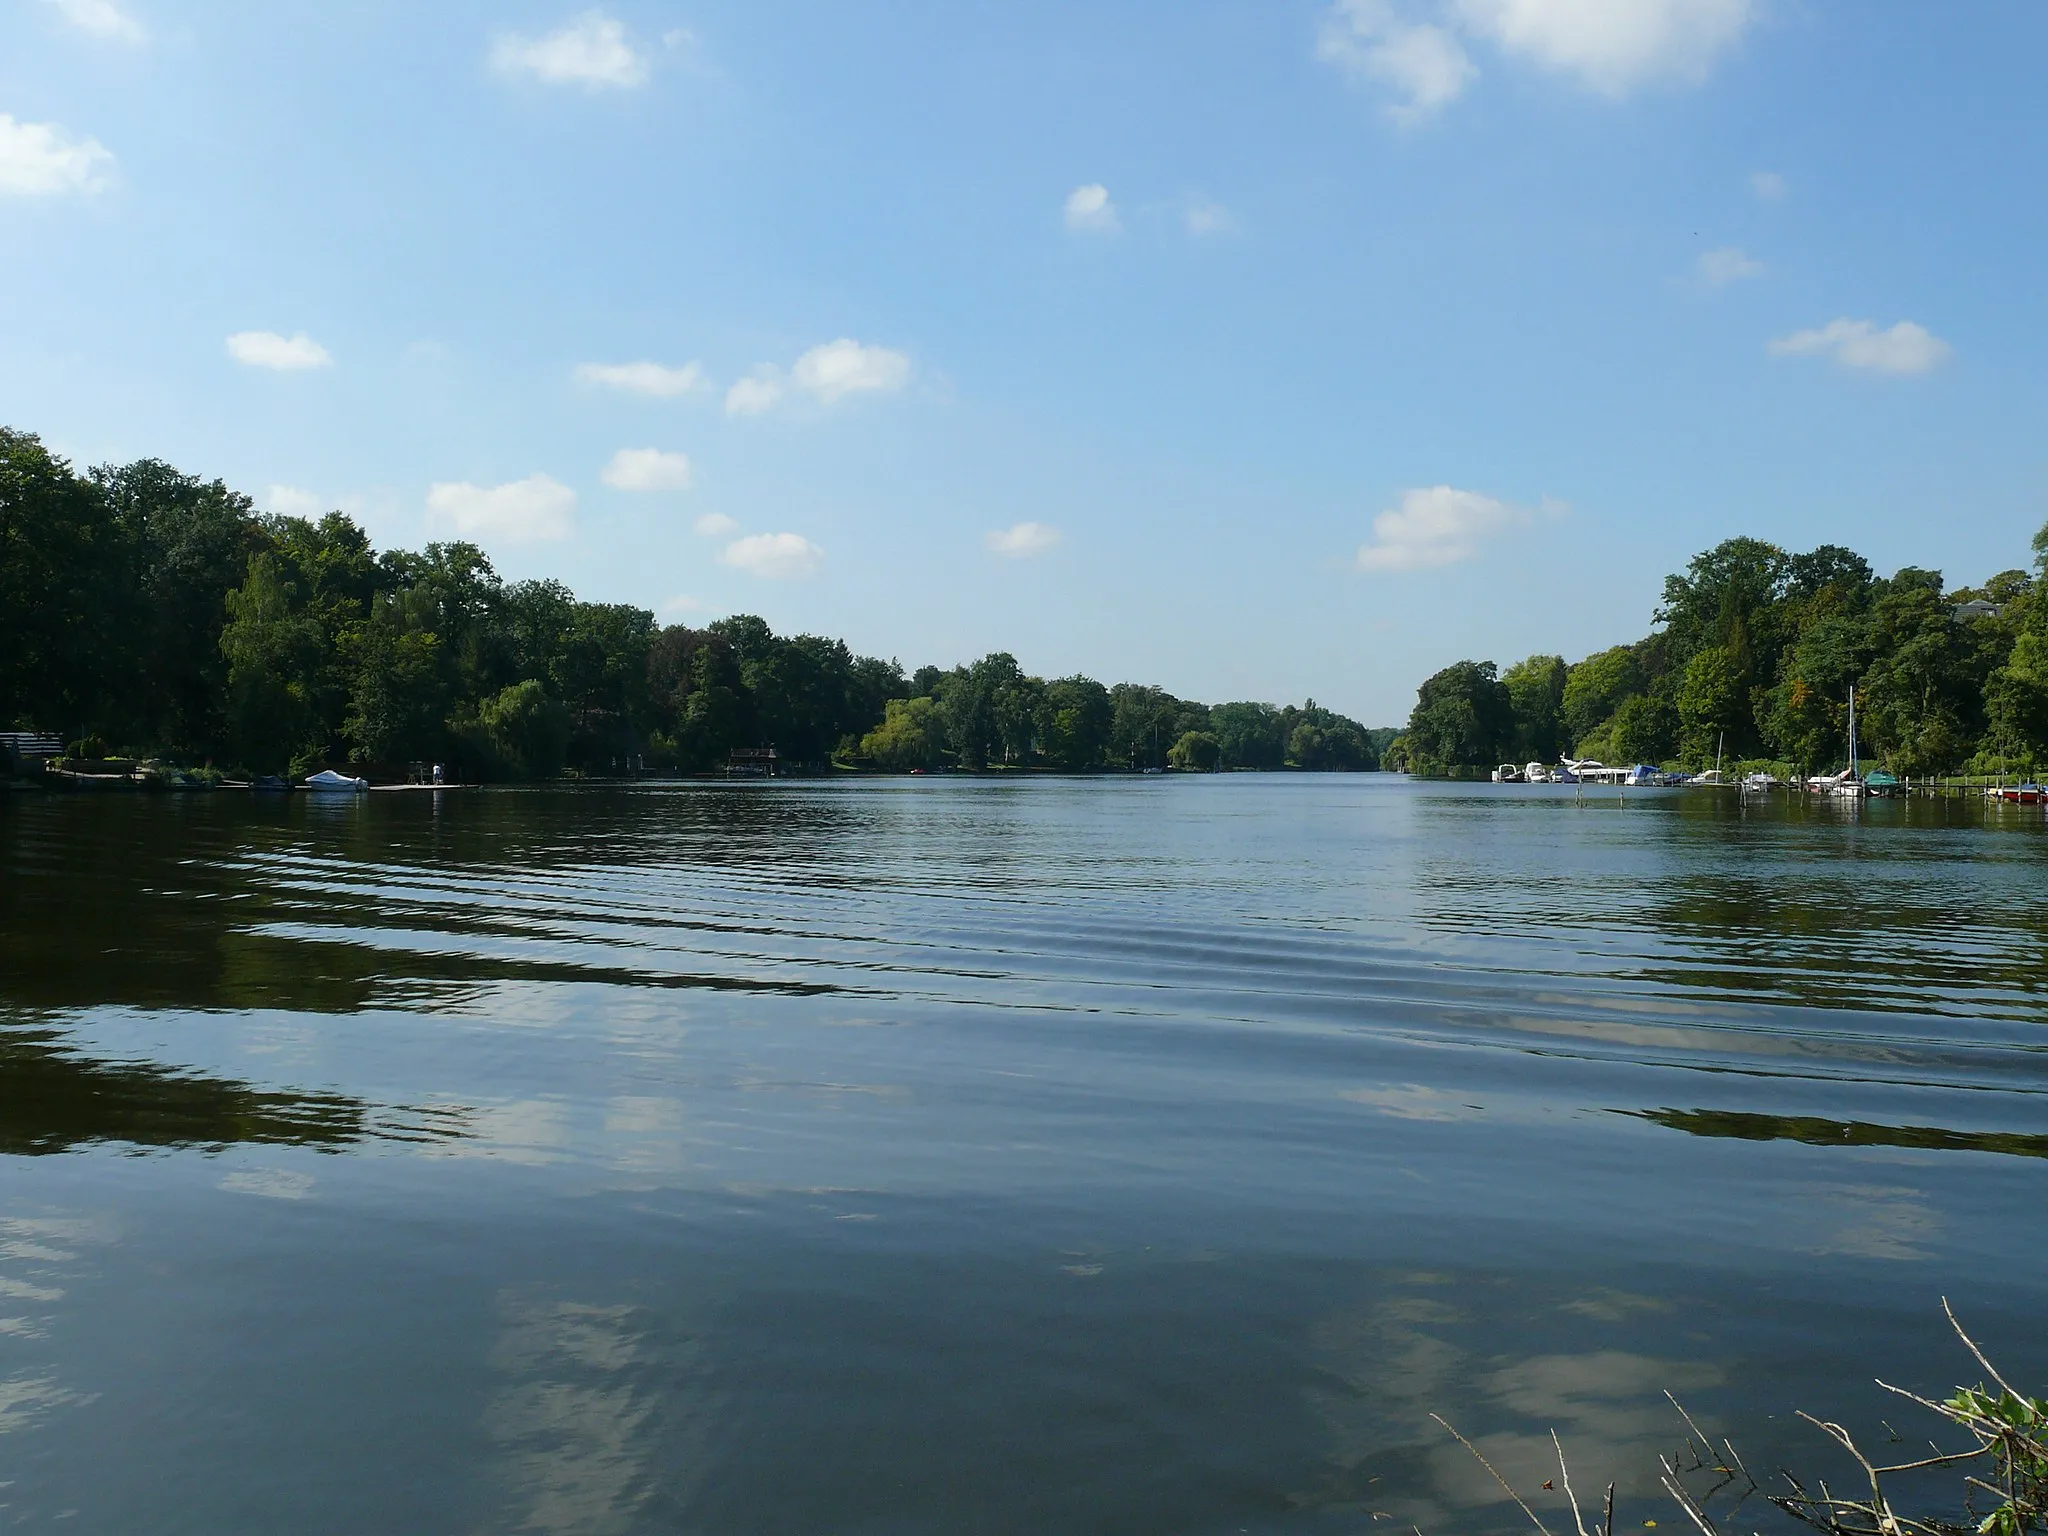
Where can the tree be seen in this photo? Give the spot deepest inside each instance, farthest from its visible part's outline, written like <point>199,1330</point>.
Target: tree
<point>1196,752</point>
<point>1251,735</point>
<point>1922,699</point>
<point>1536,689</point>
<point>1073,723</point>
<point>191,541</point>
<point>527,730</point>
<point>63,571</point>
<point>1595,689</point>
<point>1711,703</point>
<point>1463,717</point>
<point>275,654</point>
<point>908,737</point>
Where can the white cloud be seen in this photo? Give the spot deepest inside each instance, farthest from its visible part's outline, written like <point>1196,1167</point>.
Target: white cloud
<point>42,159</point>
<point>776,556</point>
<point>1208,218</point>
<point>1089,208</point>
<point>267,349</point>
<point>1768,185</point>
<point>1727,264</point>
<point>751,396</point>
<point>1438,525</point>
<point>648,469</point>
<point>716,525</point>
<point>101,18</point>
<point>675,607</point>
<point>845,367</point>
<point>1905,348</point>
<point>1023,540</point>
<point>291,501</point>
<point>1424,64</point>
<point>656,379</point>
<point>537,508</point>
<point>591,51</point>
<point>1613,46</point>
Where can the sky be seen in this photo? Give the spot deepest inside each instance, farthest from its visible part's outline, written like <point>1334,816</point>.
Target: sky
<point>1257,350</point>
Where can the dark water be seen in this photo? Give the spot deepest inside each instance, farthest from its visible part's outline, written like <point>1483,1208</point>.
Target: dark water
<point>1125,1156</point>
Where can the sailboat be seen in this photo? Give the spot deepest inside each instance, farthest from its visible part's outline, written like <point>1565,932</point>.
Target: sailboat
<point>1848,784</point>
<point>1714,775</point>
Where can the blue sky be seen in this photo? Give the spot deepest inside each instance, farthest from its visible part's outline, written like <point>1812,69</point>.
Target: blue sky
<point>1257,350</point>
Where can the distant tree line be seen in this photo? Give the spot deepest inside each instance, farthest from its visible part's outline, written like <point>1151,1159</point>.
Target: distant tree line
<point>1754,653</point>
<point>145,612</point>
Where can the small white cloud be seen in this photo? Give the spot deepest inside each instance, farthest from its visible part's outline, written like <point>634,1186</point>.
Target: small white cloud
<point>267,349</point>
<point>648,469</point>
<point>1612,46</point>
<point>1438,525</point>
<point>1905,348</point>
<point>657,379</point>
<point>538,508</point>
<point>1089,209</point>
<point>775,556</point>
<point>845,367</point>
<point>1768,185</point>
<point>1727,264</point>
<point>42,160</point>
<point>291,501</point>
<point>1204,217</point>
<point>716,525</point>
<point>676,607</point>
<point>1424,64</point>
<point>751,396</point>
<point>1023,540</point>
<point>100,18</point>
<point>590,51</point>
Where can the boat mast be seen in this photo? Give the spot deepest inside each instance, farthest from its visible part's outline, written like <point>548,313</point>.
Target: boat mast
<point>1852,730</point>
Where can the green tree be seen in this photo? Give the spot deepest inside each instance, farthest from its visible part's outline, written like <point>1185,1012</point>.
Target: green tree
<point>1536,688</point>
<point>1073,723</point>
<point>1252,735</point>
<point>1463,718</point>
<point>64,570</point>
<point>527,730</point>
<point>1196,752</point>
<point>276,654</point>
<point>1920,707</point>
<point>1595,689</point>
<point>191,541</point>
<point>1712,703</point>
<point>908,737</point>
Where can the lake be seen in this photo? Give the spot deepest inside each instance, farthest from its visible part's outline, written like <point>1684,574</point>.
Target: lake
<point>920,1155</point>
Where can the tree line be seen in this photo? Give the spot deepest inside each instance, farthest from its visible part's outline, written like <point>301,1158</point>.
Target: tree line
<point>149,613</point>
<point>1754,654</point>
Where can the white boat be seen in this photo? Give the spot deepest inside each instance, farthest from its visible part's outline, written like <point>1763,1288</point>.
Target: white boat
<point>1507,773</point>
<point>1761,781</point>
<point>1848,784</point>
<point>1535,773</point>
<point>1587,770</point>
<point>333,783</point>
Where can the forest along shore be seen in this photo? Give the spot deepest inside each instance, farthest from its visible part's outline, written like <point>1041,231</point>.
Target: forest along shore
<point>1751,663</point>
<point>153,617</point>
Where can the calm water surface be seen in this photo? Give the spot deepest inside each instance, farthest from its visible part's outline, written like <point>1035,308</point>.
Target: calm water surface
<point>1145,1155</point>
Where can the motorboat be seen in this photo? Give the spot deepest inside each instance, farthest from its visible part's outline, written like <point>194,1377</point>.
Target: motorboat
<point>1762,781</point>
<point>2017,794</point>
<point>1645,775</point>
<point>330,782</point>
<point>1535,773</point>
<point>1507,773</point>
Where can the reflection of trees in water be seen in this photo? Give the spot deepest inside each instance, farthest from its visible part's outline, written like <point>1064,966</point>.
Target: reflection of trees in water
<point>53,1099</point>
<point>1818,1132</point>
